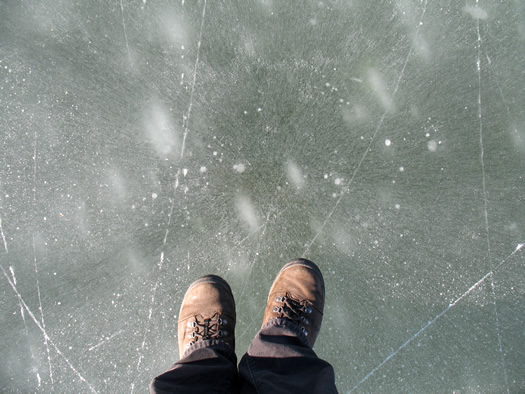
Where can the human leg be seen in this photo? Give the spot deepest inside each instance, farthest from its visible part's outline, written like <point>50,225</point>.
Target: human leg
<point>280,358</point>
<point>206,341</point>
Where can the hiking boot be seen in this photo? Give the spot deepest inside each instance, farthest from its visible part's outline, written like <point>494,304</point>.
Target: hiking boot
<point>297,294</point>
<point>207,312</point>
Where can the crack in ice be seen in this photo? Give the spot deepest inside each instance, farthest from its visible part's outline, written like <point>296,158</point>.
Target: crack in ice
<point>367,150</point>
<point>46,345</point>
<point>125,31</point>
<point>106,340</point>
<point>186,119</point>
<point>500,343</point>
<point>154,292</point>
<point>22,314</point>
<point>437,317</point>
<point>42,315</point>
<point>482,150</point>
<point>263,227</point>
<point>485,198</point>
<point>3,237</point>
<point>185,124</point>
<point>44,333</point>
<point>42,320</point>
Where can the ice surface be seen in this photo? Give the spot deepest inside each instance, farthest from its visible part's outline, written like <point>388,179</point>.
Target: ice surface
<point>146,143</point>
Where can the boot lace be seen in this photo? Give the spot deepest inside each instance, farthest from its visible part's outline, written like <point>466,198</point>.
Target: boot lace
<point>211,328</point>
<point>293,310</point>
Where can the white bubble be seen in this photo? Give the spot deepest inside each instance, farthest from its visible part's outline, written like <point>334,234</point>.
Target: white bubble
<point>380,89</point>
<point>476,12</point>
<point>432,145</point>
<point>240,168</point>
<point>247,212</point>
<point>203,169</point>
<point>338,181</point>
<point>173,27</point>
<point>388,142</point>
<point>161,131</point>
<point>116,183</point>
<point>154,196</point>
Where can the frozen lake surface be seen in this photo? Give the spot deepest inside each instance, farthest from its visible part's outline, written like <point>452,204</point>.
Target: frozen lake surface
<point>147,143</point>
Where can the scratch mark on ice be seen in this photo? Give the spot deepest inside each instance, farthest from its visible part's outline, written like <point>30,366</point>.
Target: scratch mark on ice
<point>44,333</point>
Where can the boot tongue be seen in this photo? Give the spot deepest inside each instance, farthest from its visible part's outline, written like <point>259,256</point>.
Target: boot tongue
<point>206,328</point>
<point>293,309</point>
<point>210,327</point>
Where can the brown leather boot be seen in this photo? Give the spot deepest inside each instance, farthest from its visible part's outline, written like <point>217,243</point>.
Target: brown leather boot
<point>207,312</point>
<point>297,294</point>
